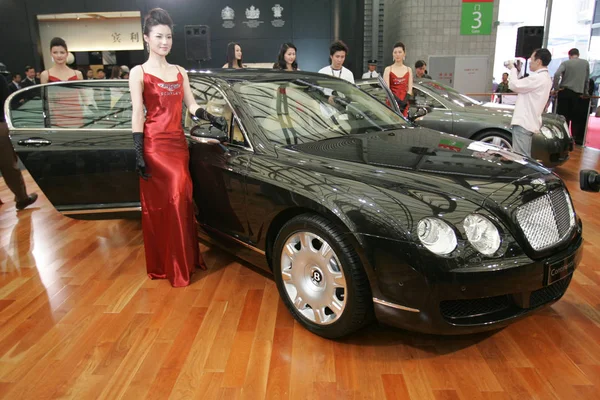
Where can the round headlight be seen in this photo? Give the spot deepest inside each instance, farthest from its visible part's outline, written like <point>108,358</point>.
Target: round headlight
<point>559,132</point>
<point>547,132</point>
<point>482,234</point>
<point>566,126</point>
<point>436,235</point>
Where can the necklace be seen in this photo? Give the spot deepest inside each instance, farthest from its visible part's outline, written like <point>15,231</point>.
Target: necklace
<point>333,72</point>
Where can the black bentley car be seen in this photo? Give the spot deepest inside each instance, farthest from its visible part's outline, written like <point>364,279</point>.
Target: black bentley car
<point>357,213</point>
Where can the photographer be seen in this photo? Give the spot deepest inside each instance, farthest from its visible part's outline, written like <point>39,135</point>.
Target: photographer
<point>533,92</point>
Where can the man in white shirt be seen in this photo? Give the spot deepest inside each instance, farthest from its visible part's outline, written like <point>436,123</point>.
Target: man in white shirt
<point>533,92</point>
<point>372,72</point>
<point>337,54</point>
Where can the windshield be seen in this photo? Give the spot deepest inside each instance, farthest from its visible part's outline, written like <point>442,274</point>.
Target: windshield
<point>308,110</point>
<point>449,94</point>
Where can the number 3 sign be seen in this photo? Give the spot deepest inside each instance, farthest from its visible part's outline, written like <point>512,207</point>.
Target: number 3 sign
<point>476,17</point>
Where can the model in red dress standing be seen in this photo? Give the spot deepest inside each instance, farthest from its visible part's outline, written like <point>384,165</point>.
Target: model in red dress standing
<point>399,77</point>
<point>162,156</point>
<point>64,103</point>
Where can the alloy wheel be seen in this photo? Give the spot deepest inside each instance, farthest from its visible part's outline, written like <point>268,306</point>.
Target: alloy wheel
<point>313,278</point>
<point>498,141</point>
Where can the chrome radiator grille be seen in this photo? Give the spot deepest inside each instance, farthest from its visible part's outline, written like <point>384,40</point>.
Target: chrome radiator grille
<point>547,219</point>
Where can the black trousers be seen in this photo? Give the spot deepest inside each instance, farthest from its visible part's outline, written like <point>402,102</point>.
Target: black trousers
<point>575,110</point>
<point>9,165</point>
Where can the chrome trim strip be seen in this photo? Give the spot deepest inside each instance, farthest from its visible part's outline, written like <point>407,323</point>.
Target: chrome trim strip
<point>393,305</point>
<point>226,236</point>
<point>256,249</point>
<point>83,82</point>
<point>49,130</point>
<point>100,210</point>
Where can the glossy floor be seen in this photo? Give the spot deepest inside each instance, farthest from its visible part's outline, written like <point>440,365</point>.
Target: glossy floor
<point>79,319</point>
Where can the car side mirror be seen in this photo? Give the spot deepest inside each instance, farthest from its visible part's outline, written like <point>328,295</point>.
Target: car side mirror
<point>211,133</point>
<point>421,112</point>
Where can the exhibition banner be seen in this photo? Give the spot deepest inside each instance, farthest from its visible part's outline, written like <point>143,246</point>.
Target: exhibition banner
<point>476,17</point>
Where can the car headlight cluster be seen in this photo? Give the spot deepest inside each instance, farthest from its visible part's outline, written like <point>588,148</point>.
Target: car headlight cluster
<point>482,234</point>
<point>547,132</point>
<point>437,236</point>
<point>559,132</point>
<point>440,238</point>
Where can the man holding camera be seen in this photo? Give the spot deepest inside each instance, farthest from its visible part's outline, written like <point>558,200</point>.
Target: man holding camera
<point>533,92</point>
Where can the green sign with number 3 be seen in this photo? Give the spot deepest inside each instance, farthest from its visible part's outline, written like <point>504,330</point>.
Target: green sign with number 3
<point>476,17</point>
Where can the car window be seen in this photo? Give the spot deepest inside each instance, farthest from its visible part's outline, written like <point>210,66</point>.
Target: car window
<point>26,109</point>
<point>423,99</point>
<point>374,90</point>
<point>211,99</point>
<point>450,94</point>
<point>312,109</point>
<point>88,106</point>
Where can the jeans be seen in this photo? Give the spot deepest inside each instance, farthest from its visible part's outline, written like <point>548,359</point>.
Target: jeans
<point>521,140</point>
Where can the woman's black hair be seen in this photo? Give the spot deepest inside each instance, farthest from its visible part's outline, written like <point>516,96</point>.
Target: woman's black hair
<point>281,64</point>
<point>58,42</point>
<point>401,45</point>
<point>157,16</point>
<point>231,55</point>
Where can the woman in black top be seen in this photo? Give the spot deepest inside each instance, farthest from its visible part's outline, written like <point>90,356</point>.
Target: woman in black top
<point>286,60</point>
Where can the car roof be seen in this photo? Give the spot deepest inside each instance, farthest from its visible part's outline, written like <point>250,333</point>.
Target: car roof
<point>254,75</point>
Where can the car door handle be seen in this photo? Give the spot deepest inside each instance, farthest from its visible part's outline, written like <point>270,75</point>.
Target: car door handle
<point>35,142</point>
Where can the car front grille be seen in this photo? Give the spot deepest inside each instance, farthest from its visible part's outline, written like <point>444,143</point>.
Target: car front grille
<point>497,308</point>
<point>456,309</point>
<point>549,293</point>
<point>546,220</point>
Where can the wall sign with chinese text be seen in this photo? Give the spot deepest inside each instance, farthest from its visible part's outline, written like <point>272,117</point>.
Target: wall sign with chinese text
<point>476,17</point>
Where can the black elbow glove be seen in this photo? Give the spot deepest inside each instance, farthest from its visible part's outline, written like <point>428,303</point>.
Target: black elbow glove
<point>403,103</point>
<point>218,122</point>
<point>140,164</point>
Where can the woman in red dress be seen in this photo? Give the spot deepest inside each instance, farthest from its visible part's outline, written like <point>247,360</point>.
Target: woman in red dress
<point>64,103</point>
<point>399,78</point>
<point>162,156</point>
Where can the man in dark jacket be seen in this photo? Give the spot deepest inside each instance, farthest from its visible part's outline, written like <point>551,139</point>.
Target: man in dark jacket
<point>30,79</point>
<point>571,81</point>
<point>8,158</point>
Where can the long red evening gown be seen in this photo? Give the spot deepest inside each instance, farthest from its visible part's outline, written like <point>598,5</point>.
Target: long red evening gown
<point>66,109</point>
<point>399,86</point>
<point>168,222</point>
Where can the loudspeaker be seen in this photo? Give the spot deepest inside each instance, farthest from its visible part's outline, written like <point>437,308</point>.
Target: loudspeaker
<point>529,38</point>
<point>197,42</point>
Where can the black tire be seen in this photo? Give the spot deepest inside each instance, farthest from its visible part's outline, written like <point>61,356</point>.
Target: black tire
<point>358,301</point>
<point>487,135</point>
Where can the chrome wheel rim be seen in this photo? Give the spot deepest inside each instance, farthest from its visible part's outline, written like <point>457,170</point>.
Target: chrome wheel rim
<point>313,278</point>
<point>498,141</point>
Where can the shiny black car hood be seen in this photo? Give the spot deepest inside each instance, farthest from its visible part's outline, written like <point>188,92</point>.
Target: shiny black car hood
<point>416,157</point>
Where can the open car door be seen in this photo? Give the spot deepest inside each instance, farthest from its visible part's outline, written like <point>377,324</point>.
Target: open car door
<point>74,138</point>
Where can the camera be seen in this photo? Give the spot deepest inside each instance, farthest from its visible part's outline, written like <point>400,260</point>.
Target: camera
<point>589,180</point>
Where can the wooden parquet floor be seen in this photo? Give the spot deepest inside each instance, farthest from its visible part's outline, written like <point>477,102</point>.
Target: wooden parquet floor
<point>79,319</point>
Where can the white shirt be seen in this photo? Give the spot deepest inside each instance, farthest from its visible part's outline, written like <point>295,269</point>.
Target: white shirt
<point>370,74</point>
<point>533,93</point>
<point>343,73</point>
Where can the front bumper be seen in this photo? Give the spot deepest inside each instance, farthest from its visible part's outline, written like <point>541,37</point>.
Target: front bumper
<point>551,152</point>
<point>474,301</point>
